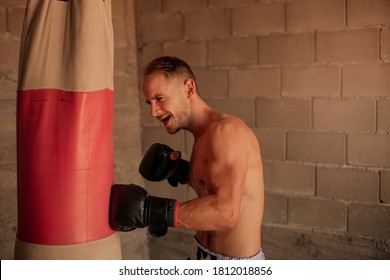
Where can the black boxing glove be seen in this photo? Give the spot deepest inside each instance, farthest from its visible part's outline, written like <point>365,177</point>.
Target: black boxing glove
<point>157,165</point>
<point>132,207</point>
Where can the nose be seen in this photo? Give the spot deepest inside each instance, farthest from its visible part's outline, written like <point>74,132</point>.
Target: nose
<point>154,109</point>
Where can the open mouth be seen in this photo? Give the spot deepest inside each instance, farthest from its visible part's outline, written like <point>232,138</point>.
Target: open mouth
<point>166,119</point>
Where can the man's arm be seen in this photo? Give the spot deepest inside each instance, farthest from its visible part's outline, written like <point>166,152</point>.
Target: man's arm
<point>226,176</point>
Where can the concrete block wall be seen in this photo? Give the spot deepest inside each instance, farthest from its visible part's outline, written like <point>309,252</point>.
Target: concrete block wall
<point>312,79</point>
<point>127,130</point>
<point>11,21</point>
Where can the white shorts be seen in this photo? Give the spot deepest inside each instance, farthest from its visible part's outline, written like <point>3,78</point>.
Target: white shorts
<point>199,252</point>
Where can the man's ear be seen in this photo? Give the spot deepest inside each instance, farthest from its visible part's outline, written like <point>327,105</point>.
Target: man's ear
<point>190,87</point>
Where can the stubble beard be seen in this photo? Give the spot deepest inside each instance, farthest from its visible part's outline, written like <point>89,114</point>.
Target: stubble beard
<point>173,130</point>
<point>180,122</point>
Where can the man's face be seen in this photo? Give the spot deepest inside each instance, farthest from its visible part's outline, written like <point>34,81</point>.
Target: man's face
<point>168,100</point>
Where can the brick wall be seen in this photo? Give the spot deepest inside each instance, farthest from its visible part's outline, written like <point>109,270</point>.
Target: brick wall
<point>127,139</point>
<point>11,20</point>
<point>312,79</point>
<point>127,130</point>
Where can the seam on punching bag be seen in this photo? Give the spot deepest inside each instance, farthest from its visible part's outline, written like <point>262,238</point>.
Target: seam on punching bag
<point>88,173</point>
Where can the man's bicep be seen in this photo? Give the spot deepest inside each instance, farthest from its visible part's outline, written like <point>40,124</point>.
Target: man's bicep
<point>227,166</point>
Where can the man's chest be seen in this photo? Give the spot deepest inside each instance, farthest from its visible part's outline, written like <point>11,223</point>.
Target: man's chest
<point>198,171</point>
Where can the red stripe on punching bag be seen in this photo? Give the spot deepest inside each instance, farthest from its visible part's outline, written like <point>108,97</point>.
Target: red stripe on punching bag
<point>65,165</point>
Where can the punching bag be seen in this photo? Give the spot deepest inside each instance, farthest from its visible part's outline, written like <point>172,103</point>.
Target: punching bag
<point>65,163</point>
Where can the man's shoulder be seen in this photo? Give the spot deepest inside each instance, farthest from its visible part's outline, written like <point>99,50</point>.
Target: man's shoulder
<point>228,126</point>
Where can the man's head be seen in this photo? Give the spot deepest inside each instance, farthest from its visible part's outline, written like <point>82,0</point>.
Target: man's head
<point>168,86</point>
<point>170,66</point>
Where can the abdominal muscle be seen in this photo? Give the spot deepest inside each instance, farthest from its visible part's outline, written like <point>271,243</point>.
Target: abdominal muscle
<point>244,240</point>
<point>234,243</point>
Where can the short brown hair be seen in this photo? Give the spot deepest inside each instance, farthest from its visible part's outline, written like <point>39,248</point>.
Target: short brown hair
<point>170,65</point>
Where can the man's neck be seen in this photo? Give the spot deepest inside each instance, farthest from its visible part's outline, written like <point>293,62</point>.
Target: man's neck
<point>201,117</point>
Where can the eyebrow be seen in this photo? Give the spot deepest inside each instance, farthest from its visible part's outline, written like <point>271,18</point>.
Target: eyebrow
<point>148,101</point>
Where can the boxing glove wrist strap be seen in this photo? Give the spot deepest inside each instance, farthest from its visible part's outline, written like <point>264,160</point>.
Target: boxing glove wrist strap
<point>175,214</point>
<point>173,208</point>
<point>162,213</point>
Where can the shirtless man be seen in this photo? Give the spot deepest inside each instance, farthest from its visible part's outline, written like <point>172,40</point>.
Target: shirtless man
<point>225,169</point>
